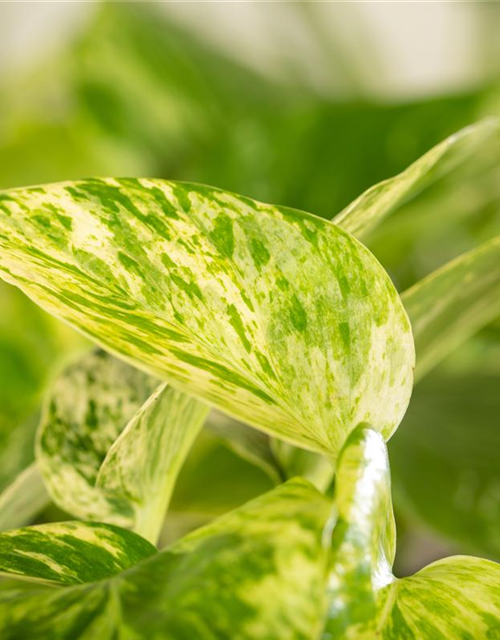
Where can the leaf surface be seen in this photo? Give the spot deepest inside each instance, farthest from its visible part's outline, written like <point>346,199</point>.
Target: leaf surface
<point>275,316</point>
<point>374,205</point>
<point>112,442</point>
<point>453,303</point>
<point>70,552</point>
<point>251,574</point>
<point>458,597</point>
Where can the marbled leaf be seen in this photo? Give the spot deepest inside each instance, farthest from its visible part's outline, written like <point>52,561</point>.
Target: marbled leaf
<point>255,573</point>
<point>70,552</point>
<point>273,315</point>
<point>112,441</point>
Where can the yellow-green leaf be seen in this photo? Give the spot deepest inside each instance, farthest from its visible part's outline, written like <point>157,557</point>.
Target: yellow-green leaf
<point>375,204</point>
<point>255,573</point>
<point>112,441</point>
<point>457,597</point>
<point>273,315</point>
<point>70,552</point>
<point>453,303</point>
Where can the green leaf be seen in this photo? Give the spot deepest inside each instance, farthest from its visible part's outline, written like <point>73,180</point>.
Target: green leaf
<point>22,500</point>
<point>453,303</point>
<point>375,204</point>
<point>233,300</point>
<point>457,597</point>
<point>111,442</point>
<point>70,552</point>
<point>255,573</point>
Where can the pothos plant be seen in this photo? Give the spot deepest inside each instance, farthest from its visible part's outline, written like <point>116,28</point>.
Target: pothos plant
<point>200,298</point>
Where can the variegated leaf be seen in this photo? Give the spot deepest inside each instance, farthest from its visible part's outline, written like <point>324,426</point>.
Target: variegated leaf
<point>273,315</point>
<point>457,597</point>
<point>453,303</point>
<point>89,405</point>
<point>111,442</point>
<point>70,552</point>
<point>144,462</point>
<point>374,205</point>
<point>255,573</point>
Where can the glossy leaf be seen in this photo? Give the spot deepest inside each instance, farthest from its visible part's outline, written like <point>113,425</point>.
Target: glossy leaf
<point>275,316</point>
<point>255,573</point>
<point>375,204</point>
<point>453,303</point>
<point>457,597</point>
<point>70,552</point>
<point>112,442</point>
<point>22,500</point>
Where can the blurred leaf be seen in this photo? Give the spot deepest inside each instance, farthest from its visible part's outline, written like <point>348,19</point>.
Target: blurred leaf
<point>452,304</point>
<point>32,345</point>
<point>70,552</point>
<point>208,289</point>
<point>373,206</point>
<point>451,432</point>
<point>315,467</point>
<point>455,597</point>
<point>111,442</point>
<point>221,581</point>
<point>250,444</point>
<point>22,500</point>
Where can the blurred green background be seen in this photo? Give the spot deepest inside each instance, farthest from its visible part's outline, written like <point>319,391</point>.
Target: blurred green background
<point>301,104</point>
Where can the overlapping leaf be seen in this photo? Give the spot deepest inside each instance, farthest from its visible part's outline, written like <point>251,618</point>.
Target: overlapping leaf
<point>375,204</point>
<point>70,552</point>
<point>275,316</point>
<point>255,573</point>
<point>112,441</point>
<point>453,303</point>
<point>457,597</point>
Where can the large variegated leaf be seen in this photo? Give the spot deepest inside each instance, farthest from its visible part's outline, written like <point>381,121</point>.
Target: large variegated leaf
<point>275,316</point>
<point>457,597</point>
<point>375,204</point>
<point>111,442</point>
<point>70,552</point>
<point>255,573</point>
<point>451,304</point>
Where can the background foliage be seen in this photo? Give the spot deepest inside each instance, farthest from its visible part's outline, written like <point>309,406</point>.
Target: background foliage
<point>133,93</point>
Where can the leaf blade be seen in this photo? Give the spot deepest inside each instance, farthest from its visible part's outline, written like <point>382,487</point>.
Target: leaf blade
<point>70,552</point>
<point>374,205</point>
<point>164,240</point>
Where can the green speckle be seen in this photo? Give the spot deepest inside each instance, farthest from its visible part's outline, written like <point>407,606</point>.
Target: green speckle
<point>222,235</point>
<point>298,316</point>
<point>345,333</point>
<point>191,288</point>
<point>235,320</point>
<point>259,253</point>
